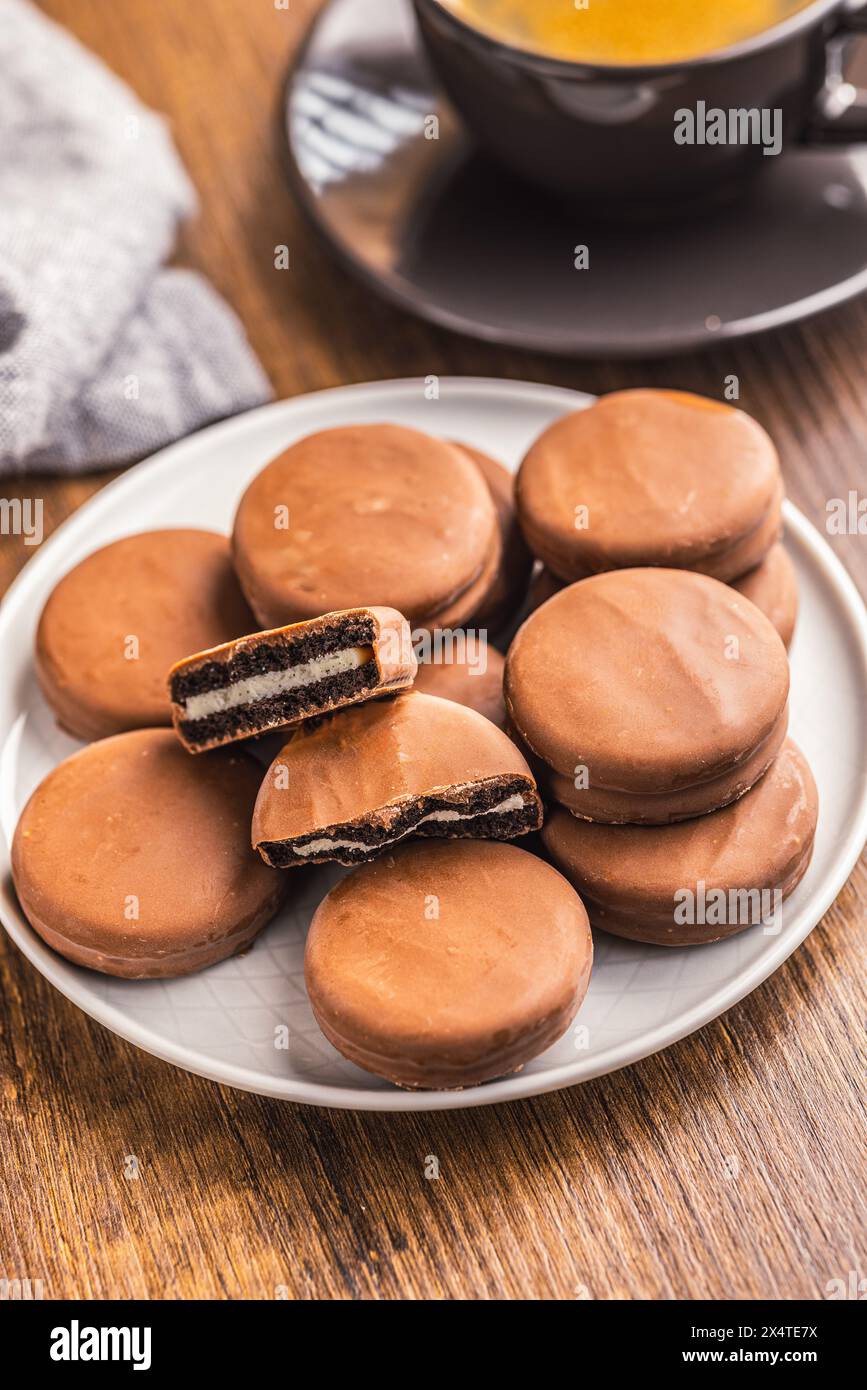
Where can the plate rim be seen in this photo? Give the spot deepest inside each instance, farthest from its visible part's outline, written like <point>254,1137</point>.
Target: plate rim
<point>522,1085</point>
<point>397,292</point>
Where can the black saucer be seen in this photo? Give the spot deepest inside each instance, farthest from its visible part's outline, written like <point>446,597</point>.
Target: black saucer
<point>443,231</point>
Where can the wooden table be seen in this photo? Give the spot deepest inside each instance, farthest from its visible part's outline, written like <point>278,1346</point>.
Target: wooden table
<point>621,1188</point>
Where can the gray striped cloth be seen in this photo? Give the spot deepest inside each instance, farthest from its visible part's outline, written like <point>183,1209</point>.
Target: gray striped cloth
<point>104,354</point>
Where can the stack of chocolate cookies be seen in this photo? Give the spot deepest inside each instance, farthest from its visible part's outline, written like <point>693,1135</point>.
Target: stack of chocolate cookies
<point>650,696</point>
<point>645,705</point>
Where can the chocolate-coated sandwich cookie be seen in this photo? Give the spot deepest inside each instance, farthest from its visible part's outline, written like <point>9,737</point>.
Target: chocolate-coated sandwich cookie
<point>701,880</point>
<point>115,623</point>
<point>773,587</point>
<point>474,680</point>
<point>272,679</point>
<point>363,779</point>
<point>651,478</point>
<point>507,592</point>
<point>650,694</point>
<point>134,859</point>
<point>367,515</point>
<point>446,965</point>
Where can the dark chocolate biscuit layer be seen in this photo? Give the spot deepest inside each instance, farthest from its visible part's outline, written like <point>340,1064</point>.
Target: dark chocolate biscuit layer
<point>305,702</point>
<point>272,679</point>
<point>357,841</point>
<point>255,659</point>
<point>346,787</point>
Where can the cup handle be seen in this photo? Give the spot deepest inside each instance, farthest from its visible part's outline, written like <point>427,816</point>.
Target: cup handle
<point>840,112</point>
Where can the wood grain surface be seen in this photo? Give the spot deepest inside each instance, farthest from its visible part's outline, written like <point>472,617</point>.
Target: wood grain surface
<point>731,1165</point>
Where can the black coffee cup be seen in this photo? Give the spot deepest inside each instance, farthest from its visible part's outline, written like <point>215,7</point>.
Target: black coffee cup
<point>647,136</point>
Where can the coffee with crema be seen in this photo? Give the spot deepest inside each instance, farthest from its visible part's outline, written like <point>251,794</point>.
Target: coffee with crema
<point>623,31</point>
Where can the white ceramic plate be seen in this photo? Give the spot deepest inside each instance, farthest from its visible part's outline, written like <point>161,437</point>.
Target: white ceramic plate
<point>222,1022</point>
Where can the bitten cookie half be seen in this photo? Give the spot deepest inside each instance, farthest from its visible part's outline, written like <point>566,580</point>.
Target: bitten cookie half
<point>444,965</point>
<point>360,781</point>
<point>289,674</point>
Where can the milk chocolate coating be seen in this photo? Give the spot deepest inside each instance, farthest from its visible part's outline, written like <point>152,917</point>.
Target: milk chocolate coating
<point>668,479</point>
<point>173,591</point>
<point>773,587</point>
<point>444,965</point>
<point>460,611</point>
<point>134,859</point>
<point>468,685</point>
<point>657,681</point>
<point>660,808</point>
<point>369,773</point>
<point>378,515</point>
<point>629,875</point>
<point>382,632</point>
<point>507,592</point>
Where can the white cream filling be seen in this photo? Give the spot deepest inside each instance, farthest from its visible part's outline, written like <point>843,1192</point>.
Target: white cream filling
<point>270,683</point>
<point>511,803</point>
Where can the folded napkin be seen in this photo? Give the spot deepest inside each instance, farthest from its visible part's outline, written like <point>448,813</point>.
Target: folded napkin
<point>104,355</point>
